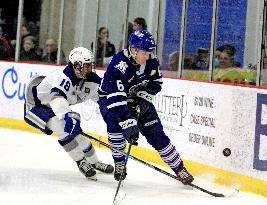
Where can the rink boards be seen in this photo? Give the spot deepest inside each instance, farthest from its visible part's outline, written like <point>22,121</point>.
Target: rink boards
<point>202,119</point>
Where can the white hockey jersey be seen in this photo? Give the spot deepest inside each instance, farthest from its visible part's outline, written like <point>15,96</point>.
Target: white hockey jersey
<point>63,88</point>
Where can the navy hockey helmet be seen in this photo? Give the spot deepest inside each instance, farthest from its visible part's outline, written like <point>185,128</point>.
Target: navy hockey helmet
<point>142,40</point>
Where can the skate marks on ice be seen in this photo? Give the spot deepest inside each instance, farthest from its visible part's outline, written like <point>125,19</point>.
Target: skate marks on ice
<point>35,170</point>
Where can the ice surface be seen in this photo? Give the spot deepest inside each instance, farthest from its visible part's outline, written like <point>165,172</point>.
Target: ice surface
<point>35,170</point>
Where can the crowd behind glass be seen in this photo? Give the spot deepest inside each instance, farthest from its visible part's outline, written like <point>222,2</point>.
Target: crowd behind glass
<point>195,65</point>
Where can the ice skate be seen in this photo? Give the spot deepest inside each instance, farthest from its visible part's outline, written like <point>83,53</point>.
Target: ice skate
<point>184,176</point>
<point>120,171</point>
<point>87,169</point>
<point>106,168</point>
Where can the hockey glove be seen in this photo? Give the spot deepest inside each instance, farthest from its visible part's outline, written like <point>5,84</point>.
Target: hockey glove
<point>143,100</point>
<point>145,95</point>
<point>130,131</point>
<point>72,123</point>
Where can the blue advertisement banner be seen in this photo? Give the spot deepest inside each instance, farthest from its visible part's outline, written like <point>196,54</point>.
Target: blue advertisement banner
<point>231,26</point>
<point>260,133</point>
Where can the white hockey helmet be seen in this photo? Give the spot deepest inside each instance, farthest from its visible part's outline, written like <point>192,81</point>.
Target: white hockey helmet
<point>79,57</point>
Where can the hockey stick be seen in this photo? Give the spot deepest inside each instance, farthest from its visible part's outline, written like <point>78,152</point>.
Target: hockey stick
<point>154,167</point>
<point>124,169</point>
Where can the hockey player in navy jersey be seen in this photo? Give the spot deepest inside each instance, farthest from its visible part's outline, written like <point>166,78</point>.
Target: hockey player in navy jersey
<point>130,82</point>
<point>47,107</point>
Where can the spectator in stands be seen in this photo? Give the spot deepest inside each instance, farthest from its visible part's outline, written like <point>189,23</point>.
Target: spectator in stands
<point>29,51</point>
<point>25,31</point>
<point>105,49</point>
<point>201,60</point>
<point>50,52</point>
<point>5,46</point>
<point>130,29</point>
<point>173,61</point>
<point>226,57</point>
<point>139,23</point>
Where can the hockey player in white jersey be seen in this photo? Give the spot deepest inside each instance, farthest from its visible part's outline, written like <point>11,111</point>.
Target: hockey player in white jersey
<point>47,108</point>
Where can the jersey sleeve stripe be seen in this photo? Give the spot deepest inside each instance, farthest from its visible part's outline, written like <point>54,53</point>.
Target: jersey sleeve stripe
<point>56,90</point>
<point>117,94</point>
<point>115,99</point>
<point>117,104</point>
<point>158,80</point>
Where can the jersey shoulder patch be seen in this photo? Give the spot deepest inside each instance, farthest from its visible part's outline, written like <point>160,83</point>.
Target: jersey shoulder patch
<point>119,62</point>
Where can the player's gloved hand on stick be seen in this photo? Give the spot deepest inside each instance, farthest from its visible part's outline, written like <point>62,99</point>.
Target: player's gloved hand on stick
<point>145,95</point>
<point>72,123</point>
<point>130,131</point>
<point>143,99</point>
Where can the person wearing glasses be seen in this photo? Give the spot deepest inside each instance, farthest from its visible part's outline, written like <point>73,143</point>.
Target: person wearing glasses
<point>50,52</point>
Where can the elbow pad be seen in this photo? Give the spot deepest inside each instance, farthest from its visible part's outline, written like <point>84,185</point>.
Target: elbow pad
<point>60,106</point>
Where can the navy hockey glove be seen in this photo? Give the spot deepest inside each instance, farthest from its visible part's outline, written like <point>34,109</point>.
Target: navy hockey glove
<point>72,123</point>
<point>130,130</point>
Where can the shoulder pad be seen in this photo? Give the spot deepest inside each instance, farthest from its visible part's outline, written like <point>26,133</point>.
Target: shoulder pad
<point>119,62</point>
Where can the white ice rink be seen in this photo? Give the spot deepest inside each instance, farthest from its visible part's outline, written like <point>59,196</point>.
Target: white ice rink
<point>34,170</point>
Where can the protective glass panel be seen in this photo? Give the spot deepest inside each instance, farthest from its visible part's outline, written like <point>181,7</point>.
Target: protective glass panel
<point>8,29</point>
<point>144,15</point>
<point>264,51</point>
<point>198,40</point>
<point>264,69</point>
<point>75,26</point>
<point>109,32</point>
<point>233,63</point>
<point>49,30</point>
<point>171,37</point>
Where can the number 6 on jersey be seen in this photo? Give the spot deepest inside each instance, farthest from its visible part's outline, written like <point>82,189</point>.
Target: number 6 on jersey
<point>120,85</point>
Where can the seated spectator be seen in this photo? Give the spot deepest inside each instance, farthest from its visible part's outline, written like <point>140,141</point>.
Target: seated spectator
<point>139,23</point>
<point>50,52</point>
<point>5,46</point>
<point>130,29</point>
<point>225,57</point>
<point>173,61</point>
<point>105,50</point>
<point>25,31</point>
<point>201,61</point>
<point>29,50</point>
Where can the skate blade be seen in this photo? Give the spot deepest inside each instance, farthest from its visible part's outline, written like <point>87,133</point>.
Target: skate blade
<point>93,178</point>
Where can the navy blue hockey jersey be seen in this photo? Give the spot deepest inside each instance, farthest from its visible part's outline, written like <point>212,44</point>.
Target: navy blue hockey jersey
<point>123,79</point>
